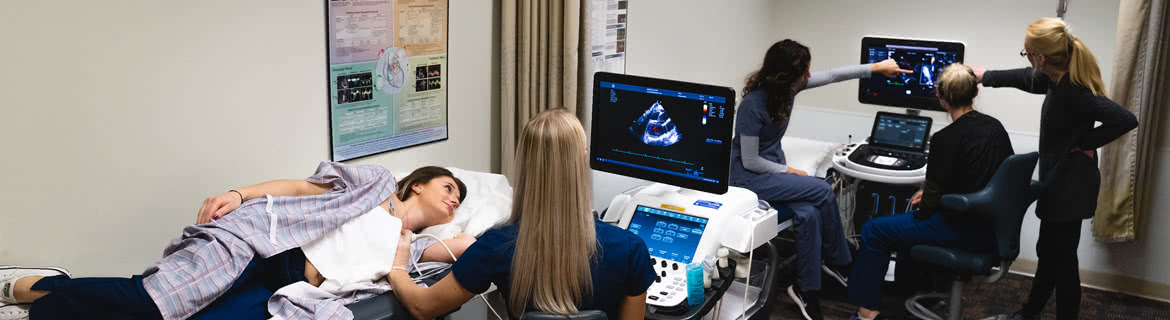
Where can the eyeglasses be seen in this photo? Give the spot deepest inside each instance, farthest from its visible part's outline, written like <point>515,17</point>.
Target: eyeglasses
<point>1024,53</point>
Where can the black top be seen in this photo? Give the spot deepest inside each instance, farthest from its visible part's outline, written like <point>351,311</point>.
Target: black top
<point>963,158</point>
<point>1067,120</point>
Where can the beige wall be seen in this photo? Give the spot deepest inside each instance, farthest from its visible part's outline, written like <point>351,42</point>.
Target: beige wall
<point>119,117</point>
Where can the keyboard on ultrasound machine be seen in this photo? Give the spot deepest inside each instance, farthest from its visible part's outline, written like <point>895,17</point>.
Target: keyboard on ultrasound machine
<point>908,160</point>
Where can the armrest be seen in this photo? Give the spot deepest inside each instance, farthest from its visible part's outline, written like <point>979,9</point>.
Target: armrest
<point>967,202</point>
<point>1038,188</point>
<point>956,202</point>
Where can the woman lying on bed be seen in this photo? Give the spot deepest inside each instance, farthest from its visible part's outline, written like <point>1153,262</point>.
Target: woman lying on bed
<point>230,265</point>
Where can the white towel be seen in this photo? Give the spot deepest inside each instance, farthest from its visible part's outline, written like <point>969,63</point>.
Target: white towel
<point>361,250</point>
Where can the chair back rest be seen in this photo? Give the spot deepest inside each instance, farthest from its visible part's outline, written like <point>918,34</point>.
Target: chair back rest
<point>582,315</point>
<point>1003,202</point>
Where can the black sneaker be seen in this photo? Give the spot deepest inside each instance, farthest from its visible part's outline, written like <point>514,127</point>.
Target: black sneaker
<point>857,316</point>
<point>807,301</point>
<point>837,275</point>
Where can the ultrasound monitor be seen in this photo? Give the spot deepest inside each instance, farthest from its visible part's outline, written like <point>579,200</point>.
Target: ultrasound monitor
<point>665,131</point>
<point>926,58</point>
<point>900,131</point>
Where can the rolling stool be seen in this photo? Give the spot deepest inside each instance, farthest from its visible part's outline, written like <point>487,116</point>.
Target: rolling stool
<point>1003,203</point>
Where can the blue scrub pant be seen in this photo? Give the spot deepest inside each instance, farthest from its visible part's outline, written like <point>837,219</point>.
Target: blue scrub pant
<point>882,235</point>
<point>817,222</point>
<point>122,298</point>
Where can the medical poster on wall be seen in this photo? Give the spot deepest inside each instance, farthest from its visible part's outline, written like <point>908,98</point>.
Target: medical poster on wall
<point>607,28</point>
<point>387,73</point>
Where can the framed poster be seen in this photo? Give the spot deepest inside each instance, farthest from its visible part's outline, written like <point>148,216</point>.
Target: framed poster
<point>387,75</point>
<point>607,27</point>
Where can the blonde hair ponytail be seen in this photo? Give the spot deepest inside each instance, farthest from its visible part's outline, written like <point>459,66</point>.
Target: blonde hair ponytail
<point>556,240</point>
<point>1051,37</point>
<point>1083,68</point>
<point>957,85</point>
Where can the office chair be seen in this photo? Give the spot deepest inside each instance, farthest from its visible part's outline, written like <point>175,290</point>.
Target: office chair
<point>1003,203</point>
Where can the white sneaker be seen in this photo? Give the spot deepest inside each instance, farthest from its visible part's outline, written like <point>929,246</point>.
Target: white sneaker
<point>9,275</point>
<point>14,312</point>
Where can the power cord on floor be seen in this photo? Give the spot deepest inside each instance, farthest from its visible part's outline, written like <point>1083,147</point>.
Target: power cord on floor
<point>453,258</point>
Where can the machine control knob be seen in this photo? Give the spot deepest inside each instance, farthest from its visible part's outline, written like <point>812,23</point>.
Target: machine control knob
<point>763,205</point>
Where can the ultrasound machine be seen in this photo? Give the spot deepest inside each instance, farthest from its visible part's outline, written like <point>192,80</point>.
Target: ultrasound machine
<point>678,135</point>
<point>890,164</point>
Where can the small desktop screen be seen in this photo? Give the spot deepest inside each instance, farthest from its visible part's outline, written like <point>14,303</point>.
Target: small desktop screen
<point>915,90</point>
<point>664,131</point>
<point>900,131</point>
<point>668,234</point>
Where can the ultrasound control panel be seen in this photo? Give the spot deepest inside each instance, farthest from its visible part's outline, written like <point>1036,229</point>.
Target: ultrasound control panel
<point>884,158</point>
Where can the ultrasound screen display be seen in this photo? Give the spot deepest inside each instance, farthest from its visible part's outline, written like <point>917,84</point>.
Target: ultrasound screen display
<point>899,130</point>
<point>664,131</point>
<point>911,90</point>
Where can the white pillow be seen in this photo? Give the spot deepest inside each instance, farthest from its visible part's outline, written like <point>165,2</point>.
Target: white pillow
<point>814,157</point>
<point>488,204</point>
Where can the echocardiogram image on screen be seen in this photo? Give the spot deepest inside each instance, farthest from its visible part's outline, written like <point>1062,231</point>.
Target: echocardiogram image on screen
<point>655,127</point>
<point>911,90</point>
<point>664,131</point>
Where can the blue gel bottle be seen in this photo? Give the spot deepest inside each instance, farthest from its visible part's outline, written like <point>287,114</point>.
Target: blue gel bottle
<point>695,283</point>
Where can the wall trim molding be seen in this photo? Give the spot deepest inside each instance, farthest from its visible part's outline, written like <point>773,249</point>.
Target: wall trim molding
<point>1107,282</point>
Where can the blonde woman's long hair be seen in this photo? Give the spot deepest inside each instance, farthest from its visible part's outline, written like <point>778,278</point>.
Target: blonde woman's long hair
<point>1051,38</point>
<point>556,242</point>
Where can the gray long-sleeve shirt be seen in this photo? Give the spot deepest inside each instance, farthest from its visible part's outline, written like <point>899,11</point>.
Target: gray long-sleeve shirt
<point>756,148</point>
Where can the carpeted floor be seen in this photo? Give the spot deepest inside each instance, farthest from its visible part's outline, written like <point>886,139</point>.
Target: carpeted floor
<point>983,300</point>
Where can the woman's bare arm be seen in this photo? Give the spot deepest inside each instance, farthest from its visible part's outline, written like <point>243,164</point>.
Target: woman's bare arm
<point>437,253</point>
<point>423,303</point>
<point>633,307</point>
<point>219,205</point>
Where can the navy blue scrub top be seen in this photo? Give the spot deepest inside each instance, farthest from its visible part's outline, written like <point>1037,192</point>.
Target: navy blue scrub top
<point>623,269</point>
<point>752,119</point>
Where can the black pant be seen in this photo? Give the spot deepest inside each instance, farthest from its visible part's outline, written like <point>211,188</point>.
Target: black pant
<point>1057,269</point>
<point>121,298</point>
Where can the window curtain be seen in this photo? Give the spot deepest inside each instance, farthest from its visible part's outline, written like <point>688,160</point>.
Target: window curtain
<point>541,65</point>
<point>1140,76</point>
